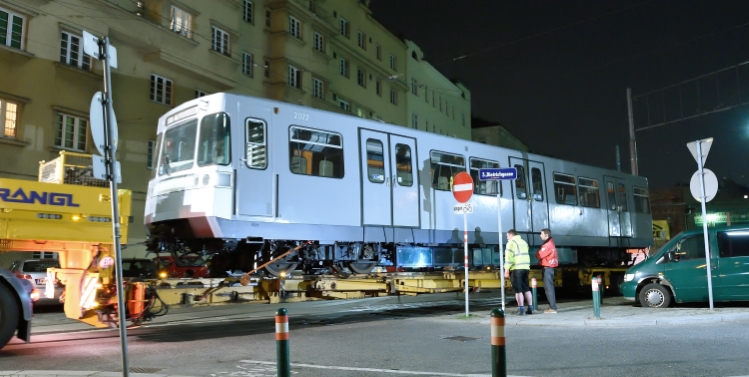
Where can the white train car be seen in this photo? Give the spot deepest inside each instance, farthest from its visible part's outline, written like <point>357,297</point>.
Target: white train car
<point>247,179</point>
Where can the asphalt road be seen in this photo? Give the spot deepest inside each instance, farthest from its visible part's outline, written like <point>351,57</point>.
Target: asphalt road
<point>402,338</point>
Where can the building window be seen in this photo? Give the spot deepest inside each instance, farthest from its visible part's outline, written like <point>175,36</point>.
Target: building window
<point>319,42</point>
<point>361,78</point>
<point>295,27</point>
<point>344,105</point>
<point>161,90</point>
<point>181,22</point>
<point>220,41</point>
<point>378,87</point>
<point>267,18</point>
<point>248,11</point>
<point>295,77</point>
<point>318,88</point>
<point>11,29</point>
<point>247,64</point>
<point>70,132</point>
<point>378,51</point>
<point>199,93</point>
<point>393,97</point>
<point>393,62</point>
<point>344,27</point>
<point>344,67</point>
<point>415,121</point>
<point>149,155</point>
<point>361,40</point>
<point>9,118</point>
<point>267,68</point>
<point>414,87</point>
<point>71,51</point>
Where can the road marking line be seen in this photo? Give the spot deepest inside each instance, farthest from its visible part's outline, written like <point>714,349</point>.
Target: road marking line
<point>368,369</point>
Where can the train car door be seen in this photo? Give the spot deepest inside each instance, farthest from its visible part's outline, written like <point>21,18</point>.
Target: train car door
<point>620,222</point>
<point>390,194</point>
<point>529,196</point>
<point>255,180</point>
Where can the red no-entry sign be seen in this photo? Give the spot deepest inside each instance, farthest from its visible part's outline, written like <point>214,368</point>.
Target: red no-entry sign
<point>463,187</point>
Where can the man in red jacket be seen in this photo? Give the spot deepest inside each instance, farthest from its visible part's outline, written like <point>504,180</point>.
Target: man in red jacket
<point>548,259</point>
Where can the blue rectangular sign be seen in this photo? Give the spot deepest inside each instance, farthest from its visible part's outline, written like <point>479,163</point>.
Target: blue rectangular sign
<point>494,174</point>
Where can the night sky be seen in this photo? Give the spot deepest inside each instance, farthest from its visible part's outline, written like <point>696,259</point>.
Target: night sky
<point>555,74</point>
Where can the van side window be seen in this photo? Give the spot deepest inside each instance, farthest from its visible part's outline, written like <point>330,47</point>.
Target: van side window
<point>733,244</point>
<point>445,166</point>
<point>692,247</point>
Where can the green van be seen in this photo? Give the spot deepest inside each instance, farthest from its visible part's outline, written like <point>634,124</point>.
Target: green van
<point>677,271</point>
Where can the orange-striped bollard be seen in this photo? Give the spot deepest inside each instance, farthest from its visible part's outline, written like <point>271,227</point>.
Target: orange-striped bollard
<point>535,297</point>
<point>499,356</point>
<point>283,366</point>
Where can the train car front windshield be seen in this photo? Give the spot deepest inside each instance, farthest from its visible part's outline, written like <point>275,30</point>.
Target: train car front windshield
<point>179,144</point>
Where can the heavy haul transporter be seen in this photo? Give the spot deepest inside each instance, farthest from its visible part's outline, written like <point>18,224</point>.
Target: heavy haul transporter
<point>69,212</point>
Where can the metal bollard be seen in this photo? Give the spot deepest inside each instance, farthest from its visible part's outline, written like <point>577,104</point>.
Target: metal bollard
<point>283,366</point>
<point>596,299</point>
<point>601,288</point>
<point>499,354</point>
<point>535,297</point>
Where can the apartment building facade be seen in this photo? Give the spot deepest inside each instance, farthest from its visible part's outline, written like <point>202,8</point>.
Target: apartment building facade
<point>327,54</point>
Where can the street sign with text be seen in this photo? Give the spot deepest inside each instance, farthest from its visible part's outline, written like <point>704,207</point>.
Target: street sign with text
<point>493,174</point>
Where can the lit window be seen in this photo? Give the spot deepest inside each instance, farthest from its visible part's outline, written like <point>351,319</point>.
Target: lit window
<point>9,118</point>
<point>161,90</point>
<point>70,132</point>
<point>181,22</point>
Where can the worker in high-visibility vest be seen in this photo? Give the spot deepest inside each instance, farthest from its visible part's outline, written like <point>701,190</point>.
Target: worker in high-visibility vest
<point>517,268</point>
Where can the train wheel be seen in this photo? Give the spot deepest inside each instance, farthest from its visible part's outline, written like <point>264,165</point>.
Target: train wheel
<point>278,267</point>
<point>362,267</point>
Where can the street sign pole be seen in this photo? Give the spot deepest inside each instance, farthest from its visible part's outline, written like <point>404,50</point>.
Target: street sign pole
<point>501,253</point>
<point>704,224</point>
<point>462,191</point>
<point>465,254</point>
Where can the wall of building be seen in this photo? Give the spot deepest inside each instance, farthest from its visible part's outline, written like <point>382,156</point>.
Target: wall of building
<point>171,51</point>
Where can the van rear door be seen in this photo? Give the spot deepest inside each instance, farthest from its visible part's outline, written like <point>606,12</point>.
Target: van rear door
<point>733,263</point>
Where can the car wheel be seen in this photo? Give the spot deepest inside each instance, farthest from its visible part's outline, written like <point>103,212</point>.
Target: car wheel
<point>8,315</point>
<point>655,296</point>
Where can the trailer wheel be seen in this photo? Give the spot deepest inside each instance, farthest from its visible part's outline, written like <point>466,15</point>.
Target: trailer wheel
<point>655,296</point>
<point>8,315</point>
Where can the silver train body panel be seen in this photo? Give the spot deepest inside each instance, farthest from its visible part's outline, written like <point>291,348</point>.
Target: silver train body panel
<point>233,200</point>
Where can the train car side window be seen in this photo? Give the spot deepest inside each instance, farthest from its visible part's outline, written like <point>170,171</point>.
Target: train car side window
<point>589,196</point>
<point>215,140</point>
<point>315,152</point>
<point>403,168</point>
<point>565,189</point>
<point>520,187</point>
<point>257,152</point>
<point>375,161</point>
<point>445,166</point>
<point>611,195</point>
<point>538,185</point>
<point>483,187</point>
<point>622,196</point>
<point>642,202</point>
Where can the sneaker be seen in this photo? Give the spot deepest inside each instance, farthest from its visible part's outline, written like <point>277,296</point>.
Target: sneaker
<point>518,312</point>
<point>529,312</point>
<point>550,311</point>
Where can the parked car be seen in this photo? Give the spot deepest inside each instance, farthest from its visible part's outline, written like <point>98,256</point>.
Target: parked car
<point>35,272</point>
<point>139,268</point>
<point>191,267</point>
<point>677,272</point>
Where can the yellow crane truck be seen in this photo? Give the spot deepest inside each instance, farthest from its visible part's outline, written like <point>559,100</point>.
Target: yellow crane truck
<point>68,211</point>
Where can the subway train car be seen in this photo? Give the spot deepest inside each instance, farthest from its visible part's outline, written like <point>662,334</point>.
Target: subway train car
<point>248,180</point>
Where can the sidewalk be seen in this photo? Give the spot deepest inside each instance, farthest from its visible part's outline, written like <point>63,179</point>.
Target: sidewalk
<point>618,312</point>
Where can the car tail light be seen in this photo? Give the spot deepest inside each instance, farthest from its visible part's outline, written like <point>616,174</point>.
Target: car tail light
<point>34,294</point>
<point>23,276</point>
